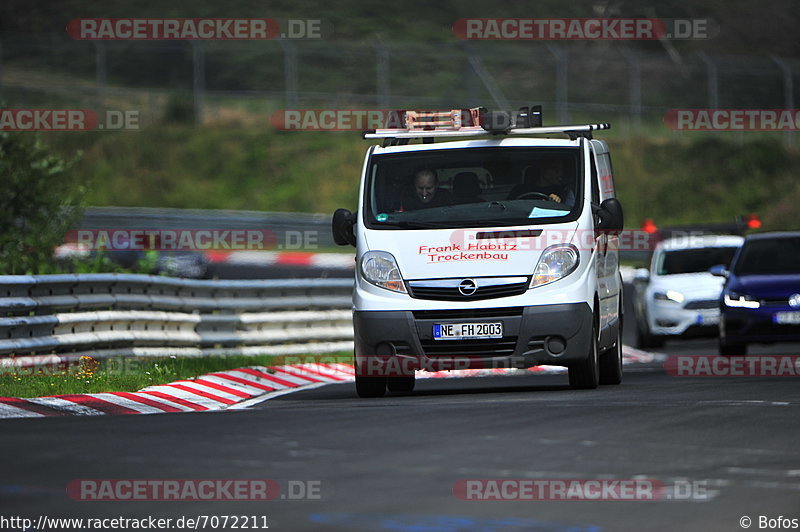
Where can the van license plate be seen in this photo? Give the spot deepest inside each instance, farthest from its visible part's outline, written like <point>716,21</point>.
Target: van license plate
<point>787,317</point>
<point>467,331</point>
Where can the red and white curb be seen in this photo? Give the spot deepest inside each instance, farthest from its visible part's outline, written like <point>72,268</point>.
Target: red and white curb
<point>215,391</point>
<point>284,258</point>
<point>307,259</point>
<point>237,389</point>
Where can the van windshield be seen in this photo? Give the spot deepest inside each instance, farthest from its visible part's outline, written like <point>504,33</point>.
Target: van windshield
<point>469,187</point>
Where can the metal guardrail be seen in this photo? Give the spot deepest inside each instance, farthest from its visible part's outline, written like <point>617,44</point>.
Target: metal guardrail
<point>46,318</point>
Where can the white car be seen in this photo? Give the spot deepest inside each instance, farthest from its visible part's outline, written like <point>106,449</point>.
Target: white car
<point>678,296</point>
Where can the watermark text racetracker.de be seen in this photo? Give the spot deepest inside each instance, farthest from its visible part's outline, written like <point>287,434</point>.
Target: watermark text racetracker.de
<point>67,120</point>
<point>148,29</point>
<point>206,239</point>
<point>581,29</point>
<point>179,239</point>
<point>733,119</point>
<point>548,489</point>
<point>193,489</point>
<point>736,366</point>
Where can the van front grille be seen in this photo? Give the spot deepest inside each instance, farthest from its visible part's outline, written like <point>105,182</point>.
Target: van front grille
<point>487,288</point>
<point>449,314</point>
<point>470,348</point>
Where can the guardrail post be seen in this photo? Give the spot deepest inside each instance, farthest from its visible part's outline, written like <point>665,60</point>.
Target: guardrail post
<point>788,93</point>
<point>562,81</point>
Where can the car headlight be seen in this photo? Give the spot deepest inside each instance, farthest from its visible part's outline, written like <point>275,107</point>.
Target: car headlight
<point>669,295</point>
<point>556,262</point>
<point>380,268</point>
<point>732,299</point>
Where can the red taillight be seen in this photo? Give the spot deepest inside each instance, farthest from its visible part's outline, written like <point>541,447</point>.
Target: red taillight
<point>649,226</point>
<point>752,221</point>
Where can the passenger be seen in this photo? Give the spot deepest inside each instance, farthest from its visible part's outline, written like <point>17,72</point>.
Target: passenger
<point>466,188</point>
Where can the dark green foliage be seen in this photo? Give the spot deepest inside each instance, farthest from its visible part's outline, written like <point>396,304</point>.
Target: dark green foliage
<point>40,200</point>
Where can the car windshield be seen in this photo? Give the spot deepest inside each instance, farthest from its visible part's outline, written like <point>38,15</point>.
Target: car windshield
<point>471,187</point>
<point>769,256</point>
<point>694,260</point>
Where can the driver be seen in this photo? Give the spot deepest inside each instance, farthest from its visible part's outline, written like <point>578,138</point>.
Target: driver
<point>548,181</point>
<point>426,192</point>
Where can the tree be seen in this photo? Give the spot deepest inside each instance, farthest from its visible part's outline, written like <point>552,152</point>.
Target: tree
<point>40,199</point>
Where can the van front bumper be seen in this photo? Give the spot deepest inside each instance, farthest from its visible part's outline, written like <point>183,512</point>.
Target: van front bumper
<point>399,342</point>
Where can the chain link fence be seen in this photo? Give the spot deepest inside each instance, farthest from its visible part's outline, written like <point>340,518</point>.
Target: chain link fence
<point>219,80</point>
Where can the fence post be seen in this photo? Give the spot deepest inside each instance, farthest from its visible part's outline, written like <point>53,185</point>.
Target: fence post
<point>100,76</point>
<point>198,79</point>
<point>488,81</point>
<point>713,80</point>
<point>713,83</point>
<point>788,93</point>
<point>382,84</point>
<point>289,72</point>
<point>562,81</point>
<point>635,86</point>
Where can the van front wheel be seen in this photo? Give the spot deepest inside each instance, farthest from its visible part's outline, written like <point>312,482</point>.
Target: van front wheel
<point>611,361</point>
<point>585,375</point>
<point>371,386</point>
<point>404,384</point>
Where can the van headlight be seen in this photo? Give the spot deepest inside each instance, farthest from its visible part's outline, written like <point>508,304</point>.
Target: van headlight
<point>556,262</point>
<point>380,268</point>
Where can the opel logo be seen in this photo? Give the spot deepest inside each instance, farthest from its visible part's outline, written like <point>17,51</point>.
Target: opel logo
<point>467,287</point>
<point>794,301</point>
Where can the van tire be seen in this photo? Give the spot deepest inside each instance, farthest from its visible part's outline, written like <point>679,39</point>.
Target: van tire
<point>585,375</point>
<point>404,384</point>
<point>370,386</point>
<point>611,361</point>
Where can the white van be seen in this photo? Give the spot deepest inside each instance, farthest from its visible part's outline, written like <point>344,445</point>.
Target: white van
<point>485,240</point>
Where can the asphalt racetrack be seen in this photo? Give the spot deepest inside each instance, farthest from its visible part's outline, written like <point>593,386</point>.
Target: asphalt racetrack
<point>721,450</point>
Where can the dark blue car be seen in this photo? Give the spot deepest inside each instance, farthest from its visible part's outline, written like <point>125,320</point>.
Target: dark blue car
<point>760,302</point>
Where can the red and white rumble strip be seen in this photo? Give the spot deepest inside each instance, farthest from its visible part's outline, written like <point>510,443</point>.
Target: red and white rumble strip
<point>215,391</point>
<point>236,388</point>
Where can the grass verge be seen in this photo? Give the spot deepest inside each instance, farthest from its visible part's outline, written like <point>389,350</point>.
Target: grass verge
<point>88,375</point>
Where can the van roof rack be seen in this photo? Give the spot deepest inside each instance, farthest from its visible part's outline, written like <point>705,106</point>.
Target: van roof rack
<point>453,123</point>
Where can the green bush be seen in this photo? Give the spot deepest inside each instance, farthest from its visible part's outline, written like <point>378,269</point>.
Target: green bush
<point>41,199</point>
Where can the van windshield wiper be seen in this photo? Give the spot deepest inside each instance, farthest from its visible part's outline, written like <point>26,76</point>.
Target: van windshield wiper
<point>409,224</point>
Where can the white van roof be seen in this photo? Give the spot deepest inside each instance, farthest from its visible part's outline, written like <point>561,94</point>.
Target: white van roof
<point>502,142</point>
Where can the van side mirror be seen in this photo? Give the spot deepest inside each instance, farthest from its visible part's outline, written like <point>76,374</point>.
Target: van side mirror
<point>342,227</point>
<point>719,270</point>
<point>610,216</point>
<point>641,275</point>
